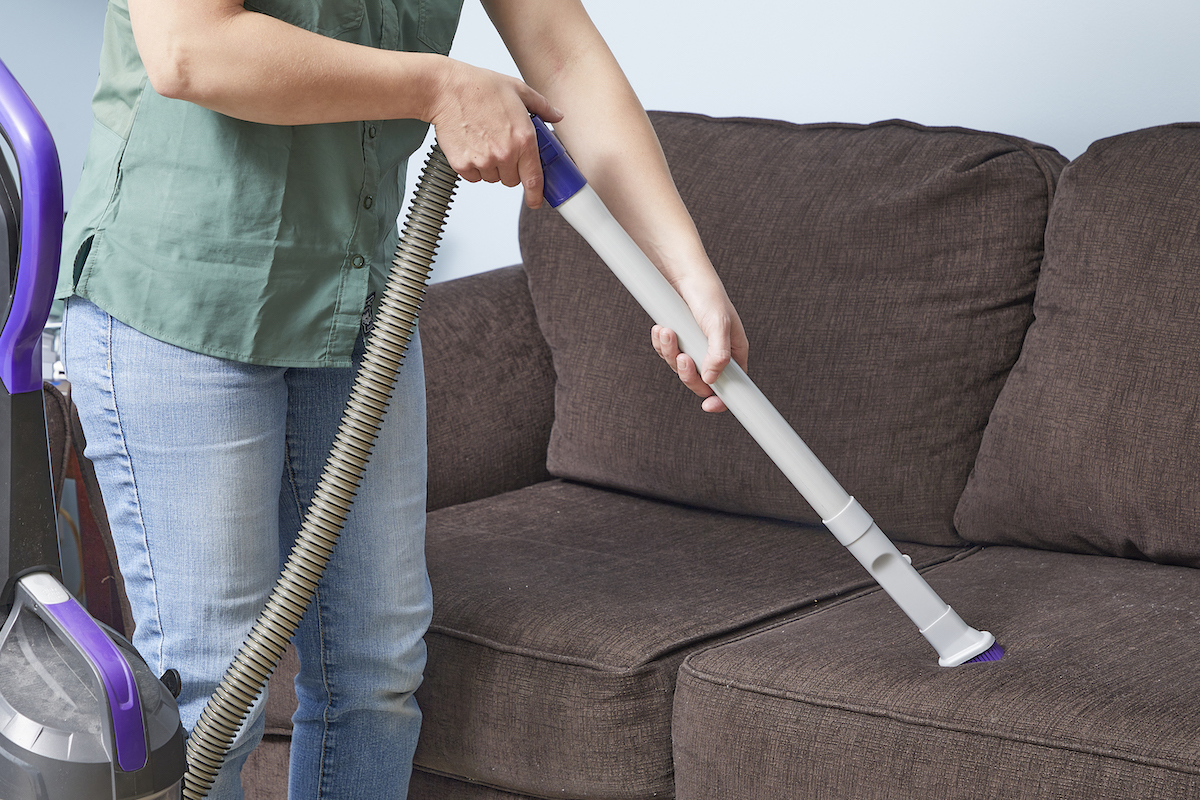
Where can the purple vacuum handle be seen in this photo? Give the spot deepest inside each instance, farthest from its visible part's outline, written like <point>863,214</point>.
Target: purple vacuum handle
<point>47,598</point>
<point>120,686</point>
<point>562,179</point>
<point>41,236</point>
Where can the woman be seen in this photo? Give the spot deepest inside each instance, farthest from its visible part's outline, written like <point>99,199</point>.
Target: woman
<point>233,226</point>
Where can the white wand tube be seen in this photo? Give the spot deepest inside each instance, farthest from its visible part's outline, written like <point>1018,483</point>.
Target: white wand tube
<point>955,641</point>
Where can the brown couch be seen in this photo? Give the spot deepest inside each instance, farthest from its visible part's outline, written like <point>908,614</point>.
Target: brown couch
<point>993,350</point>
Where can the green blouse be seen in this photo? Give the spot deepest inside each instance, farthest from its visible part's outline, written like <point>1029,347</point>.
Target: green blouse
<point>260,243</point>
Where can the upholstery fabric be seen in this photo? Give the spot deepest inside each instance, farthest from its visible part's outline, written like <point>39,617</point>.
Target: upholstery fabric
<point>488,428</point>
<point>1095,698</point>
<point>562,613</point>
<point>1092,446</point>
<point>281,693</point>
<point>428,786</point>
<point>885,294</point>
<point>265,775</point>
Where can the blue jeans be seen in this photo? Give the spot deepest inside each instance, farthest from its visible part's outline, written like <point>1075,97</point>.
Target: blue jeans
<point>206,467</point>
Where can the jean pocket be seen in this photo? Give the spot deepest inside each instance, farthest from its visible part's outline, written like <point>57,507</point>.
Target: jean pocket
<point>327,17</point>
<point>438,23</point>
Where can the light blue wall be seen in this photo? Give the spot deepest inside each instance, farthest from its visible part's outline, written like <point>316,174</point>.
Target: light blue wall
<point>1062,72</point>
<point>53,47</point>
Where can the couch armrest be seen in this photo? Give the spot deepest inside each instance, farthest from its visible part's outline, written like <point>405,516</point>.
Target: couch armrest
<point>489,384</point>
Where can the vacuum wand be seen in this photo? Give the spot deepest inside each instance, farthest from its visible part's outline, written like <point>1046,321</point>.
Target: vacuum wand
<point>567,191</point>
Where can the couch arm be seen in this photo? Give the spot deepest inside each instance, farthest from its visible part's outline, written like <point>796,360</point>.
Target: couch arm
<point>490,387</point>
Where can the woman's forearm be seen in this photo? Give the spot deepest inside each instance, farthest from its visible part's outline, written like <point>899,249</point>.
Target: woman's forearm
<point>604,126</point>
<point>560,53</point>
<point>257,68</point>
<point>254,67</point>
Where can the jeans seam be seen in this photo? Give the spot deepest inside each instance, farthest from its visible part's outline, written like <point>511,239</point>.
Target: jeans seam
<point>315,608</point>
<point>137,501</point>
<point>322,773</point>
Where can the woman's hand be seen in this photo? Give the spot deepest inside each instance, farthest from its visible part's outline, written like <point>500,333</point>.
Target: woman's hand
<point>482,123</point>
<point>726,341</point>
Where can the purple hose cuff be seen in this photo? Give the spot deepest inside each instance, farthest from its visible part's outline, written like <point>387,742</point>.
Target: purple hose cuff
<point>562,178</point>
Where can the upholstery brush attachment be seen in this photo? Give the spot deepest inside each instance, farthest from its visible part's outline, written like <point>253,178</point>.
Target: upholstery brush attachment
<point>993,653</point>
<point>567,191</point>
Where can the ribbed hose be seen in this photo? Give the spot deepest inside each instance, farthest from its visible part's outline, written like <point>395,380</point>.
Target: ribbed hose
<point>395,323</point>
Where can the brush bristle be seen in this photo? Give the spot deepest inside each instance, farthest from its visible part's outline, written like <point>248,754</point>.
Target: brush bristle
<point>993,653</point>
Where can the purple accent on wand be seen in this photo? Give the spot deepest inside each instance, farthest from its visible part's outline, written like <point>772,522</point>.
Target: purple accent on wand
<point>41,236</point>
<point>119,684</point>
<point>562,178</point>
<point>993,653</point>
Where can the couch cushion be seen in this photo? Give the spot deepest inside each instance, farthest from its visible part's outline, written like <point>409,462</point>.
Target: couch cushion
<point>1093,443</point>
<point>885,276</point>
<point>490,387</point>
<point>431,786</point>
<point>562,613</point>
<point>1095,698</point>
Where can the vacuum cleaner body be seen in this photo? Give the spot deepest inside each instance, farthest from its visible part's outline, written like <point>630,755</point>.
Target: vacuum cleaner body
<point>82,717</point>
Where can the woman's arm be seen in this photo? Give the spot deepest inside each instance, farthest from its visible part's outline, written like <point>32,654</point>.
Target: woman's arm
<point>251,66</point>
<point>561,54</point>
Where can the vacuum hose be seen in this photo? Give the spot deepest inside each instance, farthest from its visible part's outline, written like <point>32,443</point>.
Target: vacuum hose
<point>395,323</point>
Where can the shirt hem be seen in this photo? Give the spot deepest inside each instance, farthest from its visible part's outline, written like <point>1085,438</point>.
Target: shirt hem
<point>215,352</point>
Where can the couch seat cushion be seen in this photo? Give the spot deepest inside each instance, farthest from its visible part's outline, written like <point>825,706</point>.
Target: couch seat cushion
<point>431,786</point>
<point>885,275</point>
<point>561,615</point>
<point>1093,443</point>
<point>1095,699</point>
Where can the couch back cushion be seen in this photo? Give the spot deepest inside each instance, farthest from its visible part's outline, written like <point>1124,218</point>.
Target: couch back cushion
<point>1094,444</point>
<point>885,276</point>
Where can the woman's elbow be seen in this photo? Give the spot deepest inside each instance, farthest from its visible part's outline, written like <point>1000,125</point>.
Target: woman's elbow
<point>175,42</point>
<point>171,72</point>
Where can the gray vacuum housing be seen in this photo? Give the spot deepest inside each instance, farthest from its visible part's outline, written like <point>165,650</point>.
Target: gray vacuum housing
<point>64,734</point>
